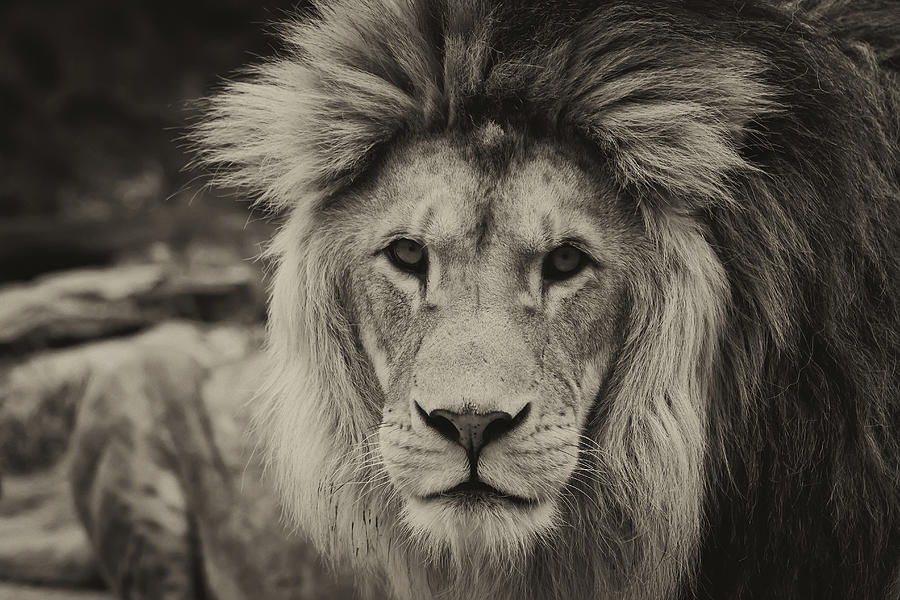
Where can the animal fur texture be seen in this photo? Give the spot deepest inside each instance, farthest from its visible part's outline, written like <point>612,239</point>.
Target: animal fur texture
<point>743,443</point>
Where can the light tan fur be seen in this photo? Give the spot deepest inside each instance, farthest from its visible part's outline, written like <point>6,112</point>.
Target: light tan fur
<point>485,331</point>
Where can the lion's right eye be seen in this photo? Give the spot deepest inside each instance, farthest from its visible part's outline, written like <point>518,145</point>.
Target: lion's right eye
<point>408,255</point>
<point>564,262</point>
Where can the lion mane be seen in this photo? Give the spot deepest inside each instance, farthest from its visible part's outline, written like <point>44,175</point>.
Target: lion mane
<point>758,142</point>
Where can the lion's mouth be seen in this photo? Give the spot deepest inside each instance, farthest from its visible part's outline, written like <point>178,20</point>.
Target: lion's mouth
<point>474,492</point>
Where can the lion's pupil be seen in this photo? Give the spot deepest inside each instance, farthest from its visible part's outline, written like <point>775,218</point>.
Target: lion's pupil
<point>409,252</point>
<point>566,259</point>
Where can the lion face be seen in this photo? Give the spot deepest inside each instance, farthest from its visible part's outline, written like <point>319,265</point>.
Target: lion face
<point>490,302</point>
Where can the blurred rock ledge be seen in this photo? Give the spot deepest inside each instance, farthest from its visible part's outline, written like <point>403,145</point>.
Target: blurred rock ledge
<point>60,332</point>
<point>80,305</point>
<point>39,396</point>
<point>41,540</point>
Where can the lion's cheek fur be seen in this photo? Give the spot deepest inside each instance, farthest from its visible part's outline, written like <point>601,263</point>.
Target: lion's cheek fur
<point>654,435</point>
<point>310,415</point>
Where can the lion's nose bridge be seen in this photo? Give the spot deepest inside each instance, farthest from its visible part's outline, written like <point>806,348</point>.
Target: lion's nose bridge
<point>478,367</point>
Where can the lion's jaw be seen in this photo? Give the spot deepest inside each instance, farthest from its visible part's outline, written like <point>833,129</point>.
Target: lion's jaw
<point>482,334</point>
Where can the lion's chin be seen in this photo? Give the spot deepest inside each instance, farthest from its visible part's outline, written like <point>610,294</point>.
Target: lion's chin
<point>479,527</point>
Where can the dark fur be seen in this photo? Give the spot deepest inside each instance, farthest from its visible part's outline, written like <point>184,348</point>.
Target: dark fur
<point>779,133</point>
<point>806,501</point>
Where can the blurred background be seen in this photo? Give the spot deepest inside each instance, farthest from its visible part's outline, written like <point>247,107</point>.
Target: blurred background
<point>107,237</point>
<point>94,99</point>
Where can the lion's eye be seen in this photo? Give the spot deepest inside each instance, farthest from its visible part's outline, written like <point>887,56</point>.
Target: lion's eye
<point>408,255</point>
<point>563,262</point>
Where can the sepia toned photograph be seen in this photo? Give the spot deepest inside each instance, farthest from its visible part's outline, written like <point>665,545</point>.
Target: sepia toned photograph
<point>450,300</point>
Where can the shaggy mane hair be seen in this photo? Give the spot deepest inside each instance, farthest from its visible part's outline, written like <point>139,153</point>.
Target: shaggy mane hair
<point>764,135</point>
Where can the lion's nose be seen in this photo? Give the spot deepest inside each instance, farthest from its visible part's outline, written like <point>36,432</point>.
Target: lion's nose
<point>473,431</point>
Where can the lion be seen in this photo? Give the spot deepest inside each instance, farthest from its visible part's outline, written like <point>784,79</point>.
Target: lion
<point>582,300</point>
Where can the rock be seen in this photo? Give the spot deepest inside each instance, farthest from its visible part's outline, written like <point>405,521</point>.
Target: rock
<point>161,414</point>
<point>166,427</point>
<point>39,397</point>
<point>42,542</point>
<point>41,539</point>
<point>12,591</point>
<point>76,306</point>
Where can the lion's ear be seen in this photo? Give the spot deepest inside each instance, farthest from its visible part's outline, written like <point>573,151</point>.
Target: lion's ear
<point>275,136</point>
<point>675,124</point>
<point>247,136</point>
<point>304,124</point>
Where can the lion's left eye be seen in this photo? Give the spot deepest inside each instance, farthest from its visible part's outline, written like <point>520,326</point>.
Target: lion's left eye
<point>408,255</point>
<point>563,262</point>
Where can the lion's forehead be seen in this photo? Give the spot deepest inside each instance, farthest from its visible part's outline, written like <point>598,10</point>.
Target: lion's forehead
<point>464,203</point>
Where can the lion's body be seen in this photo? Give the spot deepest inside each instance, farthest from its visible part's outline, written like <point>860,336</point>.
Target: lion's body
<point>709,409</point>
